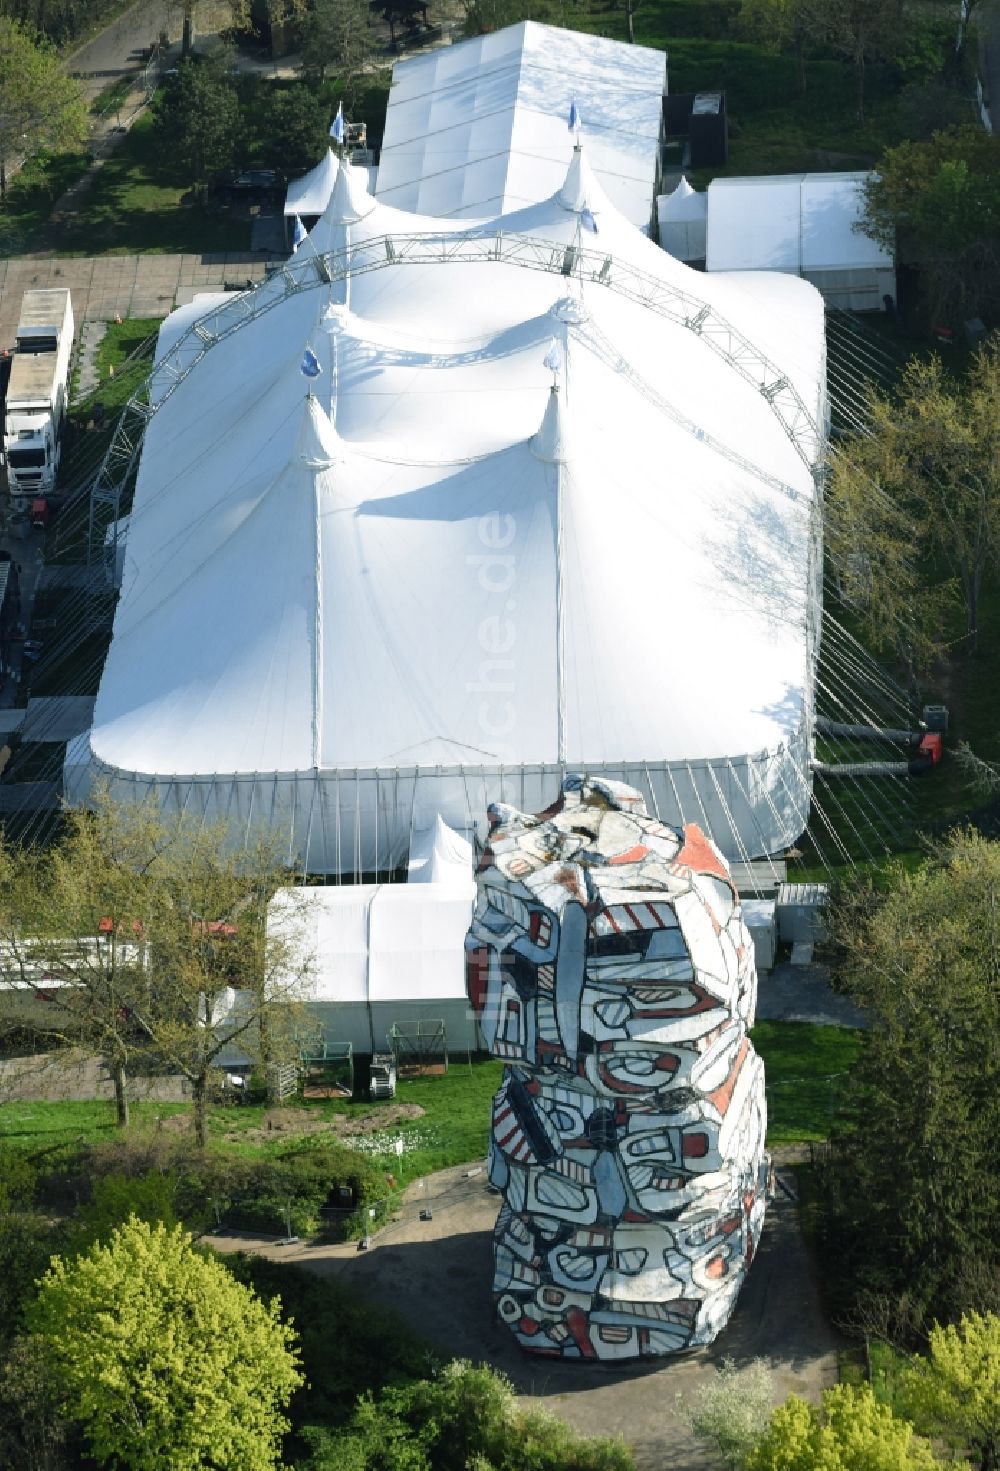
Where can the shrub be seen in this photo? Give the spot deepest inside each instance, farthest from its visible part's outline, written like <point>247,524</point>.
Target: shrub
<point>348,1345</point>
<point>265,1194</point>
<point>18,1178</point>
<point>465,1418</point>
<point>27,1242</point>
<point>114,1198</point>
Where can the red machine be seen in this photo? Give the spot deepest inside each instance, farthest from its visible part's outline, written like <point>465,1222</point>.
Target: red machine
<point>931,746</point>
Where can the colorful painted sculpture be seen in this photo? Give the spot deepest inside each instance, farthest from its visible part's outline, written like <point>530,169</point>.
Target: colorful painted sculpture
<point>611,970</point>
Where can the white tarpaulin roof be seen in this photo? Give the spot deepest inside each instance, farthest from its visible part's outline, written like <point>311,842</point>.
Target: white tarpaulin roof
<point>380,942</point>
<point>479,129</point>
<point>790,222</point>
<point>310,195</point>
<point>424,579</point>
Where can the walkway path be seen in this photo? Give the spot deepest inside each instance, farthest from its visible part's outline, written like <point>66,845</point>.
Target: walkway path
<point>802,993</point>
<point>121,47</point>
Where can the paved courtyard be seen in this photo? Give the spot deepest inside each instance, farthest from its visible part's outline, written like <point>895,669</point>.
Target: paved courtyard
<point>127,285</point>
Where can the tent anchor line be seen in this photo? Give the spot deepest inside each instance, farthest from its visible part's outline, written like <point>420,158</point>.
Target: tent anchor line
<point>527,251</point>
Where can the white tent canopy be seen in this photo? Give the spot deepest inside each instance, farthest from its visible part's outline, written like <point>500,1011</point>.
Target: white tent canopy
<point>423,581</point>
<point>439,856</point>
<point>479,129</point>
<point>801,223</point>
<point>309,196</point>
<point>682,216</point>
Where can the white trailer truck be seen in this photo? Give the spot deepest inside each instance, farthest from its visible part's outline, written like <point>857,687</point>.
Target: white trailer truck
<point>36,395</point>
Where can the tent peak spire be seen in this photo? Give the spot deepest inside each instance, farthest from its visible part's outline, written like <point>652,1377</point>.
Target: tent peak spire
<point>350,201</point>
<point>318,444</point>
<point>579,188</point>
<point>551,442</point>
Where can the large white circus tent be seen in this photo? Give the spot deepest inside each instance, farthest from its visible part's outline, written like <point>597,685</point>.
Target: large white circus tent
<point>537,508</point>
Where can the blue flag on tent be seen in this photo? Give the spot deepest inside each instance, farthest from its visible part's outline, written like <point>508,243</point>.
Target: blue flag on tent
<point>310,367</point>
<point>299,233</point>
<point>553,358</point>
<point>337,126</point>
<point>587,220</point>
<point>573,121</point>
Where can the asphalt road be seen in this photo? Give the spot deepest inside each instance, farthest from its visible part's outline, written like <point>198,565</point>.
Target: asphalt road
<point>118,50</point>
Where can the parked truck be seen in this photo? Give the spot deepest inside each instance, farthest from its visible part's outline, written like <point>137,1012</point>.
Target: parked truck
<point>36,396</point>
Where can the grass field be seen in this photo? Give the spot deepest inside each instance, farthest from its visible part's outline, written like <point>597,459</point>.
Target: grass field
<point>138,202</point>
<point>805,1065</point>
<point>31,195</point>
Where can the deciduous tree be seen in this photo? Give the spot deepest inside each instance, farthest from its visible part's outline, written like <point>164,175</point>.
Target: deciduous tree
<point>71,926</point>
<point>938,203</point>
<point>144,936</point>
<point>731,1413</point>
<point>162,1357</point>
<point>955,1387</point>
<point>220,975</point>
<point>199,120</point>
<point>785,25</point>
<point>863,31</point>
<point>41,106</point>
<point>851,1432</point>
<point>337,40</point>
<point>920,487</point>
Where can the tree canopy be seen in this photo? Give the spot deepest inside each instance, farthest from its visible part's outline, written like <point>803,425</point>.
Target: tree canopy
<point>939,201</point>
<point>199,119</point>
<point>850,1432</point>
<point>162,1357</point>
<point>41,106</point>
<point>158,929</point>
<point>955,1387</point>
<point>337,40</point>
<point>916,493</point>
<point>909,1195</point>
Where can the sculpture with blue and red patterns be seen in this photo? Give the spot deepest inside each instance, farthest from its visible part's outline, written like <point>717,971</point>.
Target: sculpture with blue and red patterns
<point>611,970</point>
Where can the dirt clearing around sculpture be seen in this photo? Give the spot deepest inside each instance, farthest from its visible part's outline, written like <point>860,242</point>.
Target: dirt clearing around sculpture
<point>436,1274</point>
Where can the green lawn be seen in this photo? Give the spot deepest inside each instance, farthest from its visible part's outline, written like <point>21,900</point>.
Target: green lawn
<point>805,1067</point>
<point>138,203</point>
<point>453,1130</point>
<point>31,195</point>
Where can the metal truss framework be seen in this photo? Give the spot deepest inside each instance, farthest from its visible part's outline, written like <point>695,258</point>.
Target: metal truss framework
<point>310,271</point>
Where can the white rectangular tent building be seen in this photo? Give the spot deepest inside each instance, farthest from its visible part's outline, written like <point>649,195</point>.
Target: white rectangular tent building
<point>381,955</point>
<point>803,224</point>
<point>479,129</point>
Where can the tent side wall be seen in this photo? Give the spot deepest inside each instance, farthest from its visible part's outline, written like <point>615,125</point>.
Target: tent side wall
<point>861,289</point>
<point>367,1029</point>
<point>361,822</point>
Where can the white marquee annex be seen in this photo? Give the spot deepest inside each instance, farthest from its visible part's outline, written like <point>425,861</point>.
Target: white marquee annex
<point>441,573</point>
<point>478,129</point>
<point>805,224</point>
